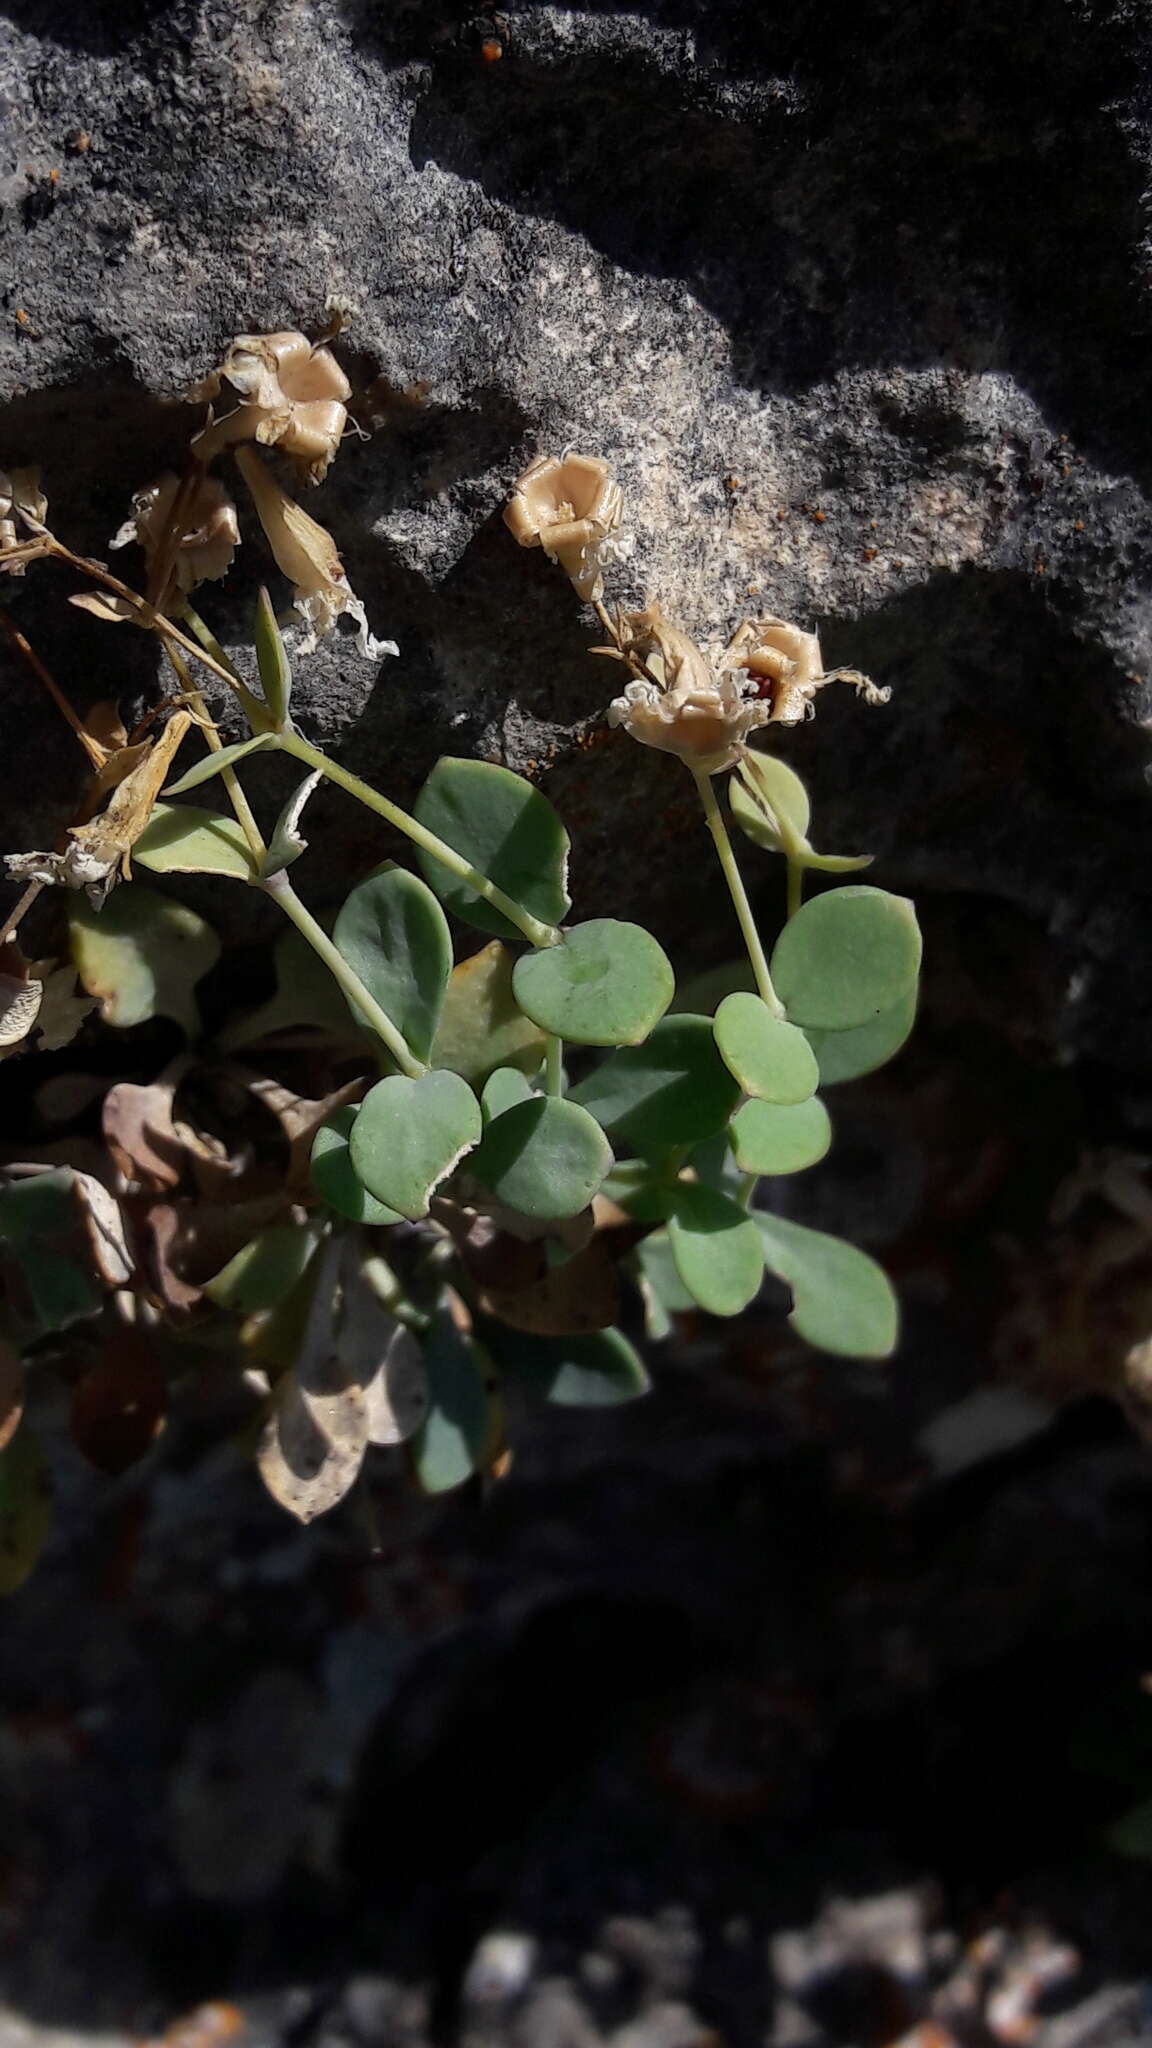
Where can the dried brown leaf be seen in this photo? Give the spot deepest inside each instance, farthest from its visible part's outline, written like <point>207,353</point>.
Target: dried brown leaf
<point>300,1118</point>
<point>119,1406</point>
<point>568,1301</point>
<point>139,1130</point>
<point>317,1432</point>
<point>385,1356</point>
<point>104,1230</point>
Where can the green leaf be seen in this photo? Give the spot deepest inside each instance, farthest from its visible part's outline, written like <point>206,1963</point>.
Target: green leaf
<point>142,955</point>
<point>843,1055</point>
<point>841,1299</point>
<point>481,1025</point>
<point>780,820</point>
<point>505,828</point>
<point>716,1249</point>
<point>265,1270</point>
<point>643,1190</point>
<point>54,1237</point>
<point>452,1442</point>
<point>181,840</point>
<point>769,1057</point>
<point>664,1293</point>
<point>774,1137</point>
<point>601,1370</point>
<point>288,842</point>
<point>334,1177</point>
<point>410,1135</point>
<point>674,1090</point>
<point>272,660</point>
<point>227,757</point>
<point>846,957</point>
<point>393,933</point>
<point>544,1158</point>
<point>306,995</point>
<point>503,1090</point>
<point>25,1508</point>
<point>607,983</point>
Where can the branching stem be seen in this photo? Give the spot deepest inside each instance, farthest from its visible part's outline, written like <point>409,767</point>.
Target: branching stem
<point>282,892</point>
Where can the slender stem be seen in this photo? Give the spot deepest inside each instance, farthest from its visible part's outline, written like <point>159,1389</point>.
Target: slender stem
<point>215,744</point>
<point>795,886</point>
<point>94,752</point>
<point>282,892</point>
<point>738,893</point>
<point>537,933</point>
<point>18,911</point>
<point>749,1182</point>
<point>554,1065</point>
<point>207,639</point>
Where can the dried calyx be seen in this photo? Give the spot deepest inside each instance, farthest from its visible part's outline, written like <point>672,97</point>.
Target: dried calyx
<point>787,668</point>
<point>683,703</point>
<point>294,397</point>
<point>306,553</point>
<point>568,506</point>
<point>209,535</point>
<point>20,497</point>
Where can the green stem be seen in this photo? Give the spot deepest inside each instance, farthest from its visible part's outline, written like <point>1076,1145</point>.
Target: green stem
<point>282,892</point>
<point>215,745</point>
<point>536,933</point>
<point>738,893</point>
<point>795,886</point>
<point>257,714</point>
<point>749,1182</point>
<point>554,1065</point>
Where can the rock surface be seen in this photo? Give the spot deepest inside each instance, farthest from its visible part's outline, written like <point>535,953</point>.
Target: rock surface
<point>860,318</point>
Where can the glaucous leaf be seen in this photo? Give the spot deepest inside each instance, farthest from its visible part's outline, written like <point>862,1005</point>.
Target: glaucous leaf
<point>769,1057</point>
<point>410,1135</point>
<point>662,1290</point>
<point>602,1370</point>
<point>141,955</point>
<point>453,1441</point>
<point>181,840</point>
<point>607,983</point>
<point>64,1235</point>
<point>776,1137</point>
<point>272,660</point>
<point>503,1090</point>
<point>227,757</point>
<point>846,957</point>
<point>306,997</point>
<point>544,1158</point>
<point>673,1090</point>
<point>843,1055</point>
<point>394,935</point>
<point>716,1249</point>
<point>265,1270</point>
<point>25,1509</point>
<point>842,1301</point>
<point>334,1177</point>
<point>507,830</point>
<point>780,819</point>
<point>482,1026</point>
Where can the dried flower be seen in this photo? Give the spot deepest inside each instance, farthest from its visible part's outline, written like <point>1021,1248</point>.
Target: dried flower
<point>306,553</point>
<point>20,493</point>
<point>684,704</point>
<point>210,531</point>
<point>568,506</point>
<point>787,669</point>
<point>295,397</point>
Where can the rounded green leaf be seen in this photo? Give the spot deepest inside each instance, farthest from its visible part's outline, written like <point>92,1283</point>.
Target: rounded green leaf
<point>842,1301</point>
<point>481,1025</point>
<point>264,1270</point>
<point>25,1508</point>
<point>607,983</point>
<point>142,955</point>
<point>503,1090</point>
<point>716,1250</point>
<point>544,1158</point>
<point>181,840</point>
<point>334,1177</point>
<point>410,1135</point>
<point>456,1435</point>
<point>505,828</point>
<point>601,1370</point>
<point>843,1055</point>
<point>846,957</point>
<point>775,1137</point>
<point>769,1057</point>
<point>673,1090</point>
<point>394,935</point>
<point>784,801</point>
